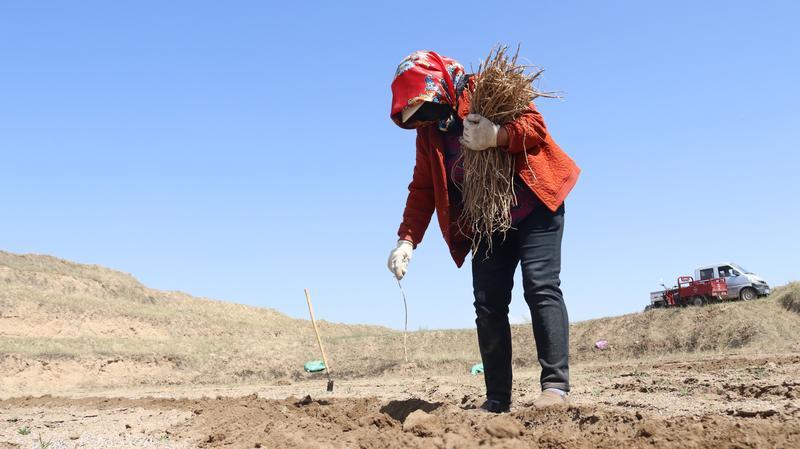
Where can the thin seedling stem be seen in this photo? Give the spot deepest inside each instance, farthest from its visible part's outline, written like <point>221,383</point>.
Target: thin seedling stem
<point>405,323</point>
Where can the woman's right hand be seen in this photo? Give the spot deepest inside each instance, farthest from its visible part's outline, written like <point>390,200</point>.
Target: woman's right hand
<point>399,258</point>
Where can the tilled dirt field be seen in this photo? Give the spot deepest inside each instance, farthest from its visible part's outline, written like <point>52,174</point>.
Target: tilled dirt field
<point>704,401</point>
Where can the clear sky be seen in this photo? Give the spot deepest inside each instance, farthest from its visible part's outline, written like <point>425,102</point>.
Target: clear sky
<point>243,150</point>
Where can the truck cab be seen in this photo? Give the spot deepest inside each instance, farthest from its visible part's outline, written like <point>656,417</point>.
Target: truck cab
<point>742,284</point>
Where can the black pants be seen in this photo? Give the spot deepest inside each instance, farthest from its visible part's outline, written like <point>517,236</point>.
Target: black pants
<point>536,243</point>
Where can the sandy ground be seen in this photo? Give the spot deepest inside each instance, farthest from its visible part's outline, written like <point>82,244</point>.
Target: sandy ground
<point>725,400</point>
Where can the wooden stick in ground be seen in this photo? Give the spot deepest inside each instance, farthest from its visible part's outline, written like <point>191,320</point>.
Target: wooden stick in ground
<point>319,340</point>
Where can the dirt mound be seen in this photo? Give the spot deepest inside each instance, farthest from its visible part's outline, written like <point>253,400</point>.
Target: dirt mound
<point>360,423</point>
<point>714,401</point>
<point>423,424</point>
<point>251,422</point>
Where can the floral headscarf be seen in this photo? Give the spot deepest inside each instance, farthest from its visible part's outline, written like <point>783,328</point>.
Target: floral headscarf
<point>426,76</point>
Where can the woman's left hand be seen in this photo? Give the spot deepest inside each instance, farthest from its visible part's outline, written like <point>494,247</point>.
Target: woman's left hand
<point>479,133</point>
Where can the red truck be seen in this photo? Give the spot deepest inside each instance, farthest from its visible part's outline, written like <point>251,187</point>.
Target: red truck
<point>689,292</point>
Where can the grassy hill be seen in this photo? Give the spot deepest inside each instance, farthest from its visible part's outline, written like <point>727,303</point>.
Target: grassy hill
<point>85,326</point>
<point>61,319</point>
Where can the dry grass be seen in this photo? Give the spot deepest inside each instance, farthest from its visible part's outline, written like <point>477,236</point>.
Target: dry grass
<point>755,326</point>
<point>52,310</point>
<point>789,296</point>
<point>503,91</point>
<point>89,326</point>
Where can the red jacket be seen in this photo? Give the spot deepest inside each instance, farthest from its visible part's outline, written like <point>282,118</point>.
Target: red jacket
<point>551,176</point>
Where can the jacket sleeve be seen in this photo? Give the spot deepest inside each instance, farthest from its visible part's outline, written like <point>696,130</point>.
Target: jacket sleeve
<point>528,131</point>
<point>420,203</point>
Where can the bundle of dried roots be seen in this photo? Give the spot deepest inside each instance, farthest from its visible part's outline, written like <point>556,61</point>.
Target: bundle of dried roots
<point>503,90</point>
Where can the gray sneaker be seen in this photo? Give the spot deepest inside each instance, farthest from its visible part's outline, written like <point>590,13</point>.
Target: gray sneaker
<point>551,399</point>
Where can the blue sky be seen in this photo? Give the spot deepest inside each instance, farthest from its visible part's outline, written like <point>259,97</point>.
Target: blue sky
<point>243,150</point>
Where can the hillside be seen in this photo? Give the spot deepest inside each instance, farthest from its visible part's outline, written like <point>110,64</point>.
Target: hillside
<point>87,326</point>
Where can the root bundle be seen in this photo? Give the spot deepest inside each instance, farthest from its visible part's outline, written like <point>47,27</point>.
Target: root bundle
<point>503,90</point>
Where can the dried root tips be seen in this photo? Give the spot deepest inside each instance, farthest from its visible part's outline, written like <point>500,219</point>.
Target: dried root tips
<point>503,90</point>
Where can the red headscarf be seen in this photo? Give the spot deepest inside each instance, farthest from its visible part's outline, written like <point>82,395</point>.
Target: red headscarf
<point>426,76</point>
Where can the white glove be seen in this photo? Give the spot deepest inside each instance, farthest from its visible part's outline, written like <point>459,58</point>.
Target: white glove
<point>399,258</point>
<point>479,133</point>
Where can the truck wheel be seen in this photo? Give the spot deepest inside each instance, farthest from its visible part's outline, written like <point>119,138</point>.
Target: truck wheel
<point>698,301</point>
<point>748,294</point>
<point>647,307</point>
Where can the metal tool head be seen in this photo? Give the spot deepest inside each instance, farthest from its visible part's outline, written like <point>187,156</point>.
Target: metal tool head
<point>330,385</point>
